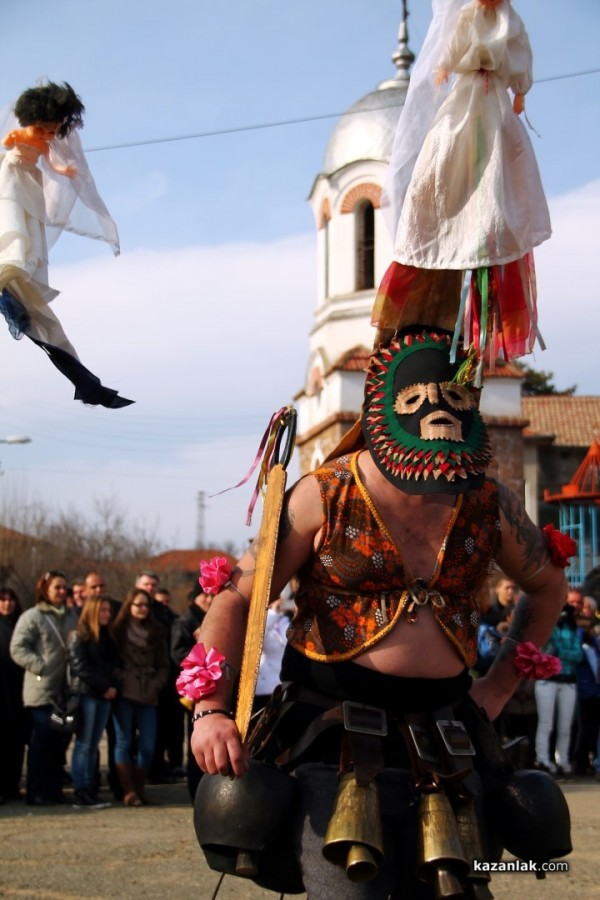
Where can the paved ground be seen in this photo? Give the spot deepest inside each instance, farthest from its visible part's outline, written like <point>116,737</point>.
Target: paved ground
<point>151,854</point>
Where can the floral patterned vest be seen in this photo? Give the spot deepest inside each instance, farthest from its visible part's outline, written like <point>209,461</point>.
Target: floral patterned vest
<point>354,588</point>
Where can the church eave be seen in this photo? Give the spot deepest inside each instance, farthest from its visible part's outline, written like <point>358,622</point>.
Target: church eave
<point>337,418</point>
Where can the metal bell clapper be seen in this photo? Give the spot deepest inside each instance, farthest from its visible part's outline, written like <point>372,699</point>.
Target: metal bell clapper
<point>470,838</point>
<point>354,837</point>
<point>441,858</point>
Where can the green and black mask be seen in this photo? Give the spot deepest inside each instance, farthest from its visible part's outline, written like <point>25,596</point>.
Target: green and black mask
<point>420,416</point>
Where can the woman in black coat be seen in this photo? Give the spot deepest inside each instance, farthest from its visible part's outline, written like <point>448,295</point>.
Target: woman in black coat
<point>93,659</point>
<point>12,713</point>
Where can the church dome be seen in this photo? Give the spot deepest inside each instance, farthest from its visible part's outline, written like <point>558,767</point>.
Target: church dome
<point>367,130</point>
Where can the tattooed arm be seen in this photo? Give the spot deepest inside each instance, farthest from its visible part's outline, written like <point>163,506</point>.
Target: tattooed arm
<point>524,557</point>
<point>215,740</point>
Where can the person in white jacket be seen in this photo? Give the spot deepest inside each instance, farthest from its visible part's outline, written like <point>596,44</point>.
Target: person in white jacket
<point>270,661</point>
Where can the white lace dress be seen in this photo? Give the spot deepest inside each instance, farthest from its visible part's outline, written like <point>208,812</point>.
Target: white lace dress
<point>475,197</point>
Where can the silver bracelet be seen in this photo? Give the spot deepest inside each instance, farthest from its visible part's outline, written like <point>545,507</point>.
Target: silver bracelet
<point>212,712</point>
<point>237,590</point>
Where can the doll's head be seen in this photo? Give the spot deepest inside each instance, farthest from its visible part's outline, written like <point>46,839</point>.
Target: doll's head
<point>51,102</point>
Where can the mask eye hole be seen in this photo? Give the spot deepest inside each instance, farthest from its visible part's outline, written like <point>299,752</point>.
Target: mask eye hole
<point>457,396</point>
<point>410,399</point>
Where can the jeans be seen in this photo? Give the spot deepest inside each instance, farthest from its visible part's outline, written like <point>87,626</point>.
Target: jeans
<point>131,719</point>
<point>551,696</point>
<point>45,756</point>
<point>94,712</point>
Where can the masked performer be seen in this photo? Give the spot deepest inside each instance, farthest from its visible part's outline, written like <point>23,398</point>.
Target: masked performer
<point>463,191</point>
<point>391,543</point>
<point>45,186</point>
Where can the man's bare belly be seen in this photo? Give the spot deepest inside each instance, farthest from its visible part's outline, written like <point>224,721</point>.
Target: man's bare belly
<point>414,650</point>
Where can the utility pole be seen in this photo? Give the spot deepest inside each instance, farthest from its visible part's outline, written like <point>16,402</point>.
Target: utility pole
<point>201,507</point>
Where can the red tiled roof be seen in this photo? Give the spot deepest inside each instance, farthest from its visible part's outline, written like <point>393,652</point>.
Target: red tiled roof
<point>9,534</point>
<point>354,360</point>
<point>575,421</point>
<point>186,560</point>
<point>357,360</point>
<point>504,370</point>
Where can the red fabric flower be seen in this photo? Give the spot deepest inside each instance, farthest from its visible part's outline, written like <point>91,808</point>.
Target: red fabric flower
<point>200,671</point>
<point>530,662</point>
<point>214,574</point>
<point>561,546</point>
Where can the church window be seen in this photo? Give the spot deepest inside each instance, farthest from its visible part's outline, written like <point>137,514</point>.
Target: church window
<point>364,218</point>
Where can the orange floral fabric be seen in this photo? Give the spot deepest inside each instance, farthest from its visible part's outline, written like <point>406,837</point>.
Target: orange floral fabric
<point>353,590</point>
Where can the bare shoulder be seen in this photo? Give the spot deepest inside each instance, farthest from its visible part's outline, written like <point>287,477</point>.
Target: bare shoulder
<point>302,508</point>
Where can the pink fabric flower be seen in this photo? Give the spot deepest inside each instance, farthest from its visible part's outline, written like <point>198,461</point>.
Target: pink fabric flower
<point>214,574</point>
<point>532,663</point>
<point>200,671</point>
<point>560,545</point>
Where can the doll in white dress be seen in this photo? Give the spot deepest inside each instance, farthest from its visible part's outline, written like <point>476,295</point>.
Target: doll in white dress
<point>464,191</point>
<point>45,186</point>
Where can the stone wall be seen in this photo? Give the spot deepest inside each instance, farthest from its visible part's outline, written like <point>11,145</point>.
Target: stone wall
<point>507,446</point>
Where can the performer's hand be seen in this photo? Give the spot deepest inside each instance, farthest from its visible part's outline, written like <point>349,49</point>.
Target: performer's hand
<point>216,746</point>
<point>440,77</point>
<point>519,104</point>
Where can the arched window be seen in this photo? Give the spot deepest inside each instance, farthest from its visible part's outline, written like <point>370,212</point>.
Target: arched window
<point>364,220</point>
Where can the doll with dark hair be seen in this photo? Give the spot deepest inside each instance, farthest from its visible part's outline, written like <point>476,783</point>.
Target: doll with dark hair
<point>51,103</point>
<point>45,186</point>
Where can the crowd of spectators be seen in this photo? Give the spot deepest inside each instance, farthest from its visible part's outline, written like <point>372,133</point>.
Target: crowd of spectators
<point>551,724</point>
<point>80,665</point>
<point>111,666</point>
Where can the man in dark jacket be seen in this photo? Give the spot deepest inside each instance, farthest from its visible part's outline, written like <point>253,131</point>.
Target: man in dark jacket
<point>168,754</point>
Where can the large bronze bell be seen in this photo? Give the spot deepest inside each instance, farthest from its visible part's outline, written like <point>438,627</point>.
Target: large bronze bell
<point>244,826</point>
<point>354,837</point>
<point>472,843</point>
<point>441,858</point>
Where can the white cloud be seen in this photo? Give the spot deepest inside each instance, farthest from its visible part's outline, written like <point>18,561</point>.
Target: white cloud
<point>209,341</point>
<point>569,290</point>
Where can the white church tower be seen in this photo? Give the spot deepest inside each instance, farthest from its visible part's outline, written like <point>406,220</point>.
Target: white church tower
<point>354,250</point>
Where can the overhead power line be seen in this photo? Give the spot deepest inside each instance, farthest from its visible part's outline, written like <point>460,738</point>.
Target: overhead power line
<point>238,129</point>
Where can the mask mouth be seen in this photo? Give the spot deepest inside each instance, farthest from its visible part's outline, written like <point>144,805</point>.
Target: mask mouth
<point>441,425</point>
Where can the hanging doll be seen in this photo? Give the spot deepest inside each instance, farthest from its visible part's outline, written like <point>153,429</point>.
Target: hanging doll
<point>45,186</point>
<point>464,191</point>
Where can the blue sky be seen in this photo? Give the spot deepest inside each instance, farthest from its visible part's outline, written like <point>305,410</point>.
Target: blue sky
<point>204,317</point>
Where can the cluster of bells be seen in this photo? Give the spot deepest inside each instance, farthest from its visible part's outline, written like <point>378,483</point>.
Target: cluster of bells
<point>243,827</point>
<point>449,840</point>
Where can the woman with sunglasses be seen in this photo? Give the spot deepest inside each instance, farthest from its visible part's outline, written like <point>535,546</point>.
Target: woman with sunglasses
<point>145,668</point>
